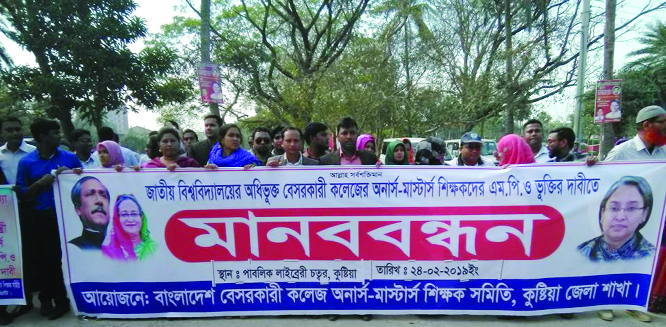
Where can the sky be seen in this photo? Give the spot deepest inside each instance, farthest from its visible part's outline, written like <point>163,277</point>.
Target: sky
<point>158,13</point>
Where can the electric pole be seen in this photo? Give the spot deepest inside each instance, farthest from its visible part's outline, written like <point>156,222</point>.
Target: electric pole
<point>607,133</point>
<point>585,18</point>
<point>509,67</point>
<point>205,44</point>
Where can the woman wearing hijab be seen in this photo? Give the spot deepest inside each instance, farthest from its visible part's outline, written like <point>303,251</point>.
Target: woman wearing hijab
<point>129,238</point>
<point>431,151</point>
<point>513,150</point>
<point>110,155</point>
<point>228,153</point>
<point>409,148</point>
<point>366,142</point>
<point>396,154</point>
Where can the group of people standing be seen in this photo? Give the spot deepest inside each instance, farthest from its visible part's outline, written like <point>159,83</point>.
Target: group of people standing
<point>30,167</point>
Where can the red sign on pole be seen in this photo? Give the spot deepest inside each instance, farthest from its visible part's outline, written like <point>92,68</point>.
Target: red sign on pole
<point>608,97</point>
<point>210,83</point>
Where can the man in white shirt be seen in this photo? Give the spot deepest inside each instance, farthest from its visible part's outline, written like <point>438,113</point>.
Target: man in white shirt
<point>650,141</point>
<point>15,148</point>
<point>470,151</point>
<point>533,135</point>
<point>82,142</point>
<point>292,143</point>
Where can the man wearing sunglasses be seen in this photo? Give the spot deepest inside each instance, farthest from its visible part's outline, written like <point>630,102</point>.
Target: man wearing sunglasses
<point>261,144</point>
<point>470,151</point>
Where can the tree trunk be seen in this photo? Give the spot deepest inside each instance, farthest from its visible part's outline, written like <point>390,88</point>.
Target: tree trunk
<point>607,130</point>
<point>65,118</point>
<point>509,67</point>
<point>409,77</point>
<point>205,43</point>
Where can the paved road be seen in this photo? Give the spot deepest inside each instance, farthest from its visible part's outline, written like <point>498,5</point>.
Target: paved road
<point>590,319</point>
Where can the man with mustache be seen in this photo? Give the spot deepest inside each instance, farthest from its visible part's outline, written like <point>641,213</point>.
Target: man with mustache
<point>533,135</point>
<point>91,202</point>
<point>348,154</point>
<point>650,141</point>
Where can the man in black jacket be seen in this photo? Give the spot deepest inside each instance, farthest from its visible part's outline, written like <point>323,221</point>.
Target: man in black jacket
<point>199,151</point>
<point>347,133</point>
<point>561,143</point>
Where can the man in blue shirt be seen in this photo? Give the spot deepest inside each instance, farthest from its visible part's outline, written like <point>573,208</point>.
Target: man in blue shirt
<point>34,180</point>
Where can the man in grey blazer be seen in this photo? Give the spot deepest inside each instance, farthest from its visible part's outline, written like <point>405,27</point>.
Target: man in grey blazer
<point>292,143</point>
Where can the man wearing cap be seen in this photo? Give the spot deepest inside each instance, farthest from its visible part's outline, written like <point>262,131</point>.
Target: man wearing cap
<point>470,151</point>
<point>649,143</point>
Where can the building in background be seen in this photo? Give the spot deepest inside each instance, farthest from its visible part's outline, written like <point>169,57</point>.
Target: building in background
<point>118,121</point>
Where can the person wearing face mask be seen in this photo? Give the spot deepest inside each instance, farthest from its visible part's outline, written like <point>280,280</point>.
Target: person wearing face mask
<point>431,151</point>
<point>347,133</point>
<point>261,144</point>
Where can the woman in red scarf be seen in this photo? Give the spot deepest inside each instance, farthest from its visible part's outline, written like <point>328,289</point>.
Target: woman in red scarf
<point>513,150</point>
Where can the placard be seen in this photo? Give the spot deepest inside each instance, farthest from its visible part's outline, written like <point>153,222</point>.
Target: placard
<point>527,240</point>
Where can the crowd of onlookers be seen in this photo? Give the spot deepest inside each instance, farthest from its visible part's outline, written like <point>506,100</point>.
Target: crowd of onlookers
<point>30,168</point>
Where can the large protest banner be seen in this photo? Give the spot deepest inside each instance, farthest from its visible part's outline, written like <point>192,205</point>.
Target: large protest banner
<point>11,273</point>
<point>527,240</point>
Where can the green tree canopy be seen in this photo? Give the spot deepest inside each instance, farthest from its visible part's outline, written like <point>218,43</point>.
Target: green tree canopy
<point>83,60</point>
